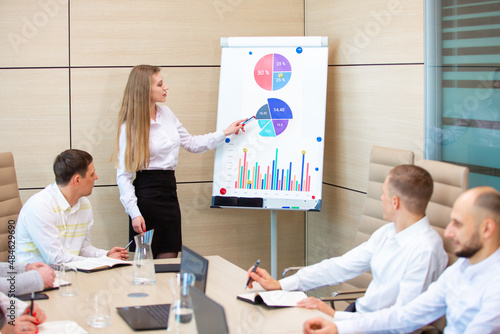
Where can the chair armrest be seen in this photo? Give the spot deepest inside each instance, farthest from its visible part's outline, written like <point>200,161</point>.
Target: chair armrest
<point>290,269</point>
<point>348,292</point>
<point>345,296</point>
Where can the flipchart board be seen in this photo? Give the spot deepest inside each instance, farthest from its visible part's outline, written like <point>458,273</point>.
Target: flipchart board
<point>280,84</point>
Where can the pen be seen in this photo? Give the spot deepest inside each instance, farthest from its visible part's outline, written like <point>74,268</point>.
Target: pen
<point>128,245</point>
<point>248,120</point>
<point>253,270</point>
<point>31,306</point>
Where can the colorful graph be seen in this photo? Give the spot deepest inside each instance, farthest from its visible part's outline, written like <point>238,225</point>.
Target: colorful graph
<point>271,177</point>
<point>272,72</point>
<point>273,117</point>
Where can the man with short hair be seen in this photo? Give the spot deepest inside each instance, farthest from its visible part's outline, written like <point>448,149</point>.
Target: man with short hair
<point>468,292</point>
<point>54,225</point>
<point>404,256</point>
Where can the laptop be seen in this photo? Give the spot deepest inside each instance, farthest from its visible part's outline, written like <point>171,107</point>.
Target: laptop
<point>145,317</point>
<point>148,317</point>
<point>192,262</point>
<point>210,316</point>
<point>167,268</point>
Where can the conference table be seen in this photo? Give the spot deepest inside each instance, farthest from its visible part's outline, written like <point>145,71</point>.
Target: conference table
<point>225,281</point>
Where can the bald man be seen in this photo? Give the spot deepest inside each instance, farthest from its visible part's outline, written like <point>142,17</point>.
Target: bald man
<point>468,292</point>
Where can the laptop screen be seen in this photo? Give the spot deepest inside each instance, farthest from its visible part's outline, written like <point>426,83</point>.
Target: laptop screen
<point>210,316</point>
<point>192,262</point>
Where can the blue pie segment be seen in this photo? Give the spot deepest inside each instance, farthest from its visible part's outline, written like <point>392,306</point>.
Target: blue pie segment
<point>273,117</point>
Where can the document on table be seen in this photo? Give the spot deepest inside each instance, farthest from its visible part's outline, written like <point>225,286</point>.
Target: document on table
<point>98,263</point>
<point>276,298</point>
<point>58,282</point>
<point>61,327</point>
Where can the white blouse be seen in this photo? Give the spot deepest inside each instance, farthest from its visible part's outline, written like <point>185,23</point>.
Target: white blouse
<point>165,137</point>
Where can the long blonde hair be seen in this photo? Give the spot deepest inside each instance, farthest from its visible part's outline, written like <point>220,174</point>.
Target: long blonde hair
<point>135,114</point>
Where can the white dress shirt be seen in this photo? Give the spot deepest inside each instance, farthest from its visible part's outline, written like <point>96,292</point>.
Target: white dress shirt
<point>403,265</point>
<point>52,231</point>
<point>166,135</point>
<point>468,294</point>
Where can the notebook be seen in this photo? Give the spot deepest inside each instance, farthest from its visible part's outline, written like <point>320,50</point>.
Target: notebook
<point>156,316</point>
<point>275,298</point>
<point>210,316</point>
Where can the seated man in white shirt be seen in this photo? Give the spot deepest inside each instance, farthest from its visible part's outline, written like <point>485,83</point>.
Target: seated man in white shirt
<point>54,225</point>
<point>404,256</point>
<point>468,292</point>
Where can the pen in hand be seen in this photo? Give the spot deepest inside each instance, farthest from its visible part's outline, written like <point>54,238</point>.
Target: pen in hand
<point>31,306</point>
<point>253,270</point>
<point>128,245</point>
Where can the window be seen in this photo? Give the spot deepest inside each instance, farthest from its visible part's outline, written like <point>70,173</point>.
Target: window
<point>462,83</point>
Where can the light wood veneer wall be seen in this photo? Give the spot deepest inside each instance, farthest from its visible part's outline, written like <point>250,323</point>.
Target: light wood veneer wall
<point>64,65</point>
<point>375,97</point>
<point>63,68</point>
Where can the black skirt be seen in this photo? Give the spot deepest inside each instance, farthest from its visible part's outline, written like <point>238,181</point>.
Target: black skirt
<point>156,192</point>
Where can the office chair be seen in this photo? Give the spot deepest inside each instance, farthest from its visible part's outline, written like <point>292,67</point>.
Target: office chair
<point>10,202</point>
<point>382,160</point>
<point>449,182</point>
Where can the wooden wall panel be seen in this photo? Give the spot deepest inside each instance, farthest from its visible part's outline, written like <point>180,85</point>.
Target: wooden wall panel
<point>45,111</point>
<point>366,106</point>
<point>96,95</point>
<point>369,31</point>
<point>375,97</point>
<point>238,235</point>
<point>193,97</point>
<point>34,121</point>
<point>33,33</point>
<point>113,32</point>
<point>110,220</point>
<point>338,221</point>
<point>331,232</point>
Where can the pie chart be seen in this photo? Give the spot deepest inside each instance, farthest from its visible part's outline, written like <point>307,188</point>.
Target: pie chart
<point>273,117</point>
<point>272,72</point>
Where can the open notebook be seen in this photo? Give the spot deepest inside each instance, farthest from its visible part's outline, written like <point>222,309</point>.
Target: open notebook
<point>92,264</point>
<point>276,298</point>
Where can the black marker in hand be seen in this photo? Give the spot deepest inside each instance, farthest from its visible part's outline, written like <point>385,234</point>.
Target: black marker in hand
<point>253,270</point>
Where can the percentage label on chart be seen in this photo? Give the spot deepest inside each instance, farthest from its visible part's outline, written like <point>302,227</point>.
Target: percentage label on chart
<point>272,72</point>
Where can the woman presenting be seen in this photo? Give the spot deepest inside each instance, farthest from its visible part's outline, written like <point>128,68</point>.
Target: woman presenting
<point>148,141</point>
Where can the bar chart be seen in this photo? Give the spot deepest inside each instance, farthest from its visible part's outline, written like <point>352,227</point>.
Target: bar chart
<point>270,177</point>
